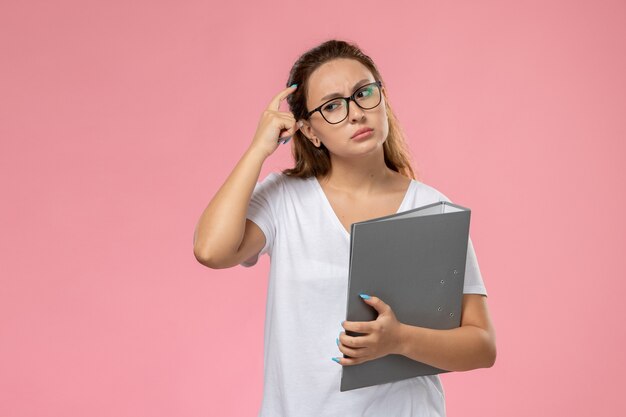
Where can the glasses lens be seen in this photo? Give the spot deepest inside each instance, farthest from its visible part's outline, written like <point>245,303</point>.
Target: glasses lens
<point>368,96</point>
<point>335,111</point>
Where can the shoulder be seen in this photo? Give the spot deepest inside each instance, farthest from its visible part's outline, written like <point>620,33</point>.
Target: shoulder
<point>278,183</point>
<point>280,179</point>
<point>428,193</point>
<point>273,182</point>
<point>272,178</point>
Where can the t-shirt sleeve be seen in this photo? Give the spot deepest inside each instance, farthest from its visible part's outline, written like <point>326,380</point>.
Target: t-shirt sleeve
<point>473,281</point>
<point>261,211</point>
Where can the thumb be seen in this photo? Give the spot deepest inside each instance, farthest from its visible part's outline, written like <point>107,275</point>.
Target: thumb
<point>375,302</point>
<point>285,135</point>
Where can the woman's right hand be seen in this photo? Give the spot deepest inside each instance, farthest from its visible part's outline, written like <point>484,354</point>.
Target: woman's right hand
<point>274,126</point>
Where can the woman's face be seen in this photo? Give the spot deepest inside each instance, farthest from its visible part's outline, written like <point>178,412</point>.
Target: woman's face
<point>344,76</point>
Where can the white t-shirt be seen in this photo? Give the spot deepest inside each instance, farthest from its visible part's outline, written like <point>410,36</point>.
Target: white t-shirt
<point>306,302</point>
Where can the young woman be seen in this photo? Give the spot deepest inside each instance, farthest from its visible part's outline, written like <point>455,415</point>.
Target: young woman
<point>351,165</point>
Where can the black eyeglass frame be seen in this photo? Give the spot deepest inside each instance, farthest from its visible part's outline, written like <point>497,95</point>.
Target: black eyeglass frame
<point>347,99</point>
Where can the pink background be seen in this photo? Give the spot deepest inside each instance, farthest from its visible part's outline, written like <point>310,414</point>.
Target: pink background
<point>119,121</point>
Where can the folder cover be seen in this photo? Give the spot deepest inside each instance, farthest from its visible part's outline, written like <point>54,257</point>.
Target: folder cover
<point>415,262</point>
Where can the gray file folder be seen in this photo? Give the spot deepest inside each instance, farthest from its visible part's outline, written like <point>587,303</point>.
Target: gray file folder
<point>415,262</point>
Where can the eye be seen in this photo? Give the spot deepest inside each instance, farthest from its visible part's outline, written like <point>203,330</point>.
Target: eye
<point>332,106</point>
<point>367,91</point>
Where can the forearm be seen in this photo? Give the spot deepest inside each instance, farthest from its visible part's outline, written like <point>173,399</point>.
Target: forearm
<point>221,226</point>
<point>460,349</point>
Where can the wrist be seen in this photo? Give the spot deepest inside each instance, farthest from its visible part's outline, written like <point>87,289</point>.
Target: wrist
<point>402,340</point>
<point>258,156</point>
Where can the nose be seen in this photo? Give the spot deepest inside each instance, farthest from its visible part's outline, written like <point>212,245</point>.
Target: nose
<point>355,112</point>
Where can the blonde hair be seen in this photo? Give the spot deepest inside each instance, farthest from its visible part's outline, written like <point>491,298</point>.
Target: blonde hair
<point>313,161</point>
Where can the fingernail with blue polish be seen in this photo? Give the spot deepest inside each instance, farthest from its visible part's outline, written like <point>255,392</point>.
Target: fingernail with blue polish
<point>336,360</point>
<point>337,341</point>
<point>293,85</point>
<point>287,140</point>
<point>364,296</point>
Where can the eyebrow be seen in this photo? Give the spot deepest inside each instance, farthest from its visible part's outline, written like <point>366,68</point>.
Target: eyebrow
<point>339,94</point>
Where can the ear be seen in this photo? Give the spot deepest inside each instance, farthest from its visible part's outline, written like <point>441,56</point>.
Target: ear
<point>307,131</point>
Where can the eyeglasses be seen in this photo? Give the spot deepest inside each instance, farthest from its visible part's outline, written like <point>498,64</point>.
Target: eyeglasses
<point>336,110</point>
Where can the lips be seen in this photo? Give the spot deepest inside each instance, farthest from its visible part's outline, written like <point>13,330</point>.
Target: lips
<point>358,132</point>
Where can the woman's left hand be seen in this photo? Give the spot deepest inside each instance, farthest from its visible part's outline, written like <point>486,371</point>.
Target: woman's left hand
<point>380,337</point>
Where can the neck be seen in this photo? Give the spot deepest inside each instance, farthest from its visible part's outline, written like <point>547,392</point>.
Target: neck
<point>364,175</point>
